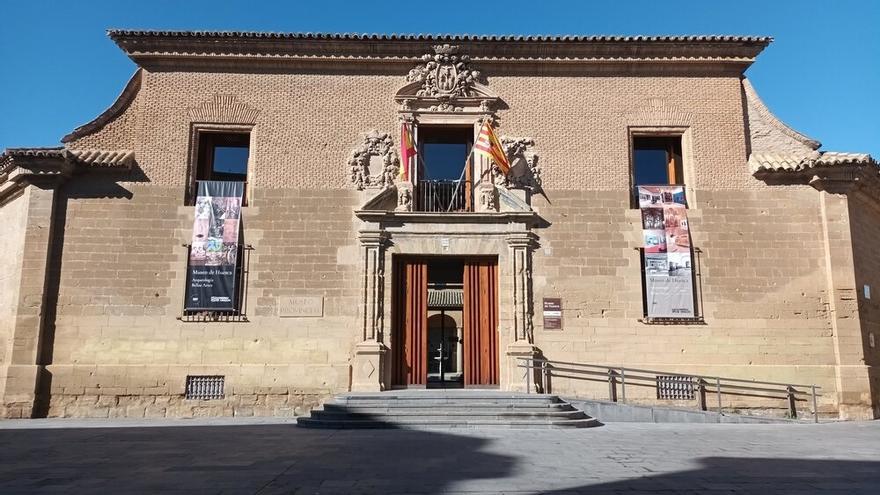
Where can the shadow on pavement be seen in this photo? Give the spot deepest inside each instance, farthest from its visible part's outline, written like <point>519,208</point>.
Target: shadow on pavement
<point>265,459</point>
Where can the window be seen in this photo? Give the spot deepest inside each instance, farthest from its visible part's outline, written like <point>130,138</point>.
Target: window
<point>222,156</point>
<point>657,160</point>
<point>443,183</point>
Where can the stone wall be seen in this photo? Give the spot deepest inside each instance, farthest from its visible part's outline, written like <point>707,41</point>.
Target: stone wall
<point>761,286</point>
<point>119,346</point>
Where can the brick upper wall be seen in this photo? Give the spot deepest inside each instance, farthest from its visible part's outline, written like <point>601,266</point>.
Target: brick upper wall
<point>307,124</point>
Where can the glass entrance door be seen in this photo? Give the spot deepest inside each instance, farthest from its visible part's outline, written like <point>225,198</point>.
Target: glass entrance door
<point>444,350</point>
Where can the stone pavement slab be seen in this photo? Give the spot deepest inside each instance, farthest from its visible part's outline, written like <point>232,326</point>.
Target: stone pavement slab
<point>267,456</point>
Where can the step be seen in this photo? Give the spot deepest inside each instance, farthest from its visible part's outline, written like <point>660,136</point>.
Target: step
<point>424,409</point>
<point>415,408</point>
<point>394,415</point>
<point>447,394</point>
<point>441,423</point>
<point>448,404</point>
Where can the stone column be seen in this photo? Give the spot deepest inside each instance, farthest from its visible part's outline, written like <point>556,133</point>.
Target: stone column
<point>521,246</point>
<point>369,354</point>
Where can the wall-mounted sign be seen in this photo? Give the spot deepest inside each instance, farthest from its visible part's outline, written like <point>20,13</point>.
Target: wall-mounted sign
<point>292,307</point>
<point>669,282</point>
<point>552,313</point>
<point>213,255</point>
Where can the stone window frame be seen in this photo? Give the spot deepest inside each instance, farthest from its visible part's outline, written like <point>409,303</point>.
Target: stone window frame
<point>687,156</point>
<point>199,128</point>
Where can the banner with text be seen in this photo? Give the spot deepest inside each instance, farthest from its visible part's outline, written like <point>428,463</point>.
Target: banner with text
<point>213,260</point>
<point>669,282</point>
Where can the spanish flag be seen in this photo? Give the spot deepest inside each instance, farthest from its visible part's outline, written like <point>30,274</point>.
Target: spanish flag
<point>489,146</point>
<point>407,151</point>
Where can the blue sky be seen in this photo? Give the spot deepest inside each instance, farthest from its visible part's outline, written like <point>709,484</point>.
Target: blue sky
<point>821,75</point>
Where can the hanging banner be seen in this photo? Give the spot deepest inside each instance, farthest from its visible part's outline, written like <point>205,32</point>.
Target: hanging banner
<point>213,263</point>
<point>669,282</point>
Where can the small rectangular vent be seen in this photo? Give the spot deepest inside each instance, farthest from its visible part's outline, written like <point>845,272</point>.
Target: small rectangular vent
<point>205,387</point>
<point>675,387</point>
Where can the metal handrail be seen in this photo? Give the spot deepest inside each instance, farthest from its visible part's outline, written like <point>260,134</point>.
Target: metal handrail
<point>649,378</point>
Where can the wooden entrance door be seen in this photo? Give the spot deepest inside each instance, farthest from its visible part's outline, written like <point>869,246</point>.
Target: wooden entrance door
<point>410,326</point>
<point>480,322</point>
<point>411,322</point>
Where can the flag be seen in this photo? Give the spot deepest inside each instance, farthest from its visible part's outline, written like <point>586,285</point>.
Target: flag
<point>489,146</point>
<point>407,150</point>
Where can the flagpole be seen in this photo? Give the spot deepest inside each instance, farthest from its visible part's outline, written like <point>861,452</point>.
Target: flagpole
<point>458,184</point>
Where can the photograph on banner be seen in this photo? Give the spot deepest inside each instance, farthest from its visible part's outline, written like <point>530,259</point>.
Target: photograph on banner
<point>674,216</point>
<point>657,196</point>
<point>679,264</point>
<point>655,241</point>
<point>678,240</point>
<point>657,264</point>
<point>652,219</point>
<point>650,196</point>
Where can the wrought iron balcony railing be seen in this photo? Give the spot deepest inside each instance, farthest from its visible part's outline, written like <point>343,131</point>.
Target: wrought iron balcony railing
<point>443,196</point>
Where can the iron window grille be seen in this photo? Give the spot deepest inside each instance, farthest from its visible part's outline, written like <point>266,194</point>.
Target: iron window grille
<point>675,387</point>
<point>205,387</point>
<point>234,316</point>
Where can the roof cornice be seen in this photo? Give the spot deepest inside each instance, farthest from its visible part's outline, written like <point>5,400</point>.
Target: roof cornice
<point>161,49</point>
<point>20,167</point>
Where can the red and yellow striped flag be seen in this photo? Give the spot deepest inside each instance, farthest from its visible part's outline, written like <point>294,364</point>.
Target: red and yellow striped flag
<point>407,150</point>
<point>489,146</point>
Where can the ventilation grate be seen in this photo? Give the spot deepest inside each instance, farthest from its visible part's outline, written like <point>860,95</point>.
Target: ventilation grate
<point>205,387</point>
<point>675,387</point>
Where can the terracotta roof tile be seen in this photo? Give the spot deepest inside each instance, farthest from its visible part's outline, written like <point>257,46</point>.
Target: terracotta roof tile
<point>115,33</point>
<point>793,162</point>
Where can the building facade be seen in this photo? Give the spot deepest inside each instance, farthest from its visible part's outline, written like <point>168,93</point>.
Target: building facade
<point>353,275</point>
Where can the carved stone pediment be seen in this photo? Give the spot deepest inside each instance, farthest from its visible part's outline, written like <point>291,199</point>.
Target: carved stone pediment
<point>445,82</point>
<point>445,73</point>
<point>374,164</point>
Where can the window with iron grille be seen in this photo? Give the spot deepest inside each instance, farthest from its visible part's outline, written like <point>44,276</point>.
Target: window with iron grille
<point>205,387</point>
<point>675,387</point>
<point>241,286</point>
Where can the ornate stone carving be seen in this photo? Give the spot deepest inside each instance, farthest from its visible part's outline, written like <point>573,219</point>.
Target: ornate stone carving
<point>374,164</point>
<point>487,197</point>
<point>445,106</point>
<point>404,196</point>
<point>446,72</point>
<point>525,173</point>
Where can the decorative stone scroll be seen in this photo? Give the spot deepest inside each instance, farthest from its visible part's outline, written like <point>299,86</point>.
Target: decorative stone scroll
<point>374,164</point>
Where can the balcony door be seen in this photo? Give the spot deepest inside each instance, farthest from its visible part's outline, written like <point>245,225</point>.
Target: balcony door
<point>444,177</point>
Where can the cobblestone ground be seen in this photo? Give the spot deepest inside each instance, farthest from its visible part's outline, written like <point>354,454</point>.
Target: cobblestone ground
<point>66,456</point>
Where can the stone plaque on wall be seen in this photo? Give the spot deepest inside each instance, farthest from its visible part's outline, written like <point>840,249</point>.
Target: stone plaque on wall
<point>300,306</point>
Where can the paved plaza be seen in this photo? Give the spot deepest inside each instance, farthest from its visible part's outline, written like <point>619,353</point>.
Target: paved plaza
<point>274,456</point>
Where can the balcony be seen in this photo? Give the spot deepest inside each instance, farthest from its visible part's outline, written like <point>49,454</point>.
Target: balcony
<point>443,196</point>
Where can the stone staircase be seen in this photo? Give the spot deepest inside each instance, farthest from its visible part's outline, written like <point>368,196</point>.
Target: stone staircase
<point>426,409</point>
